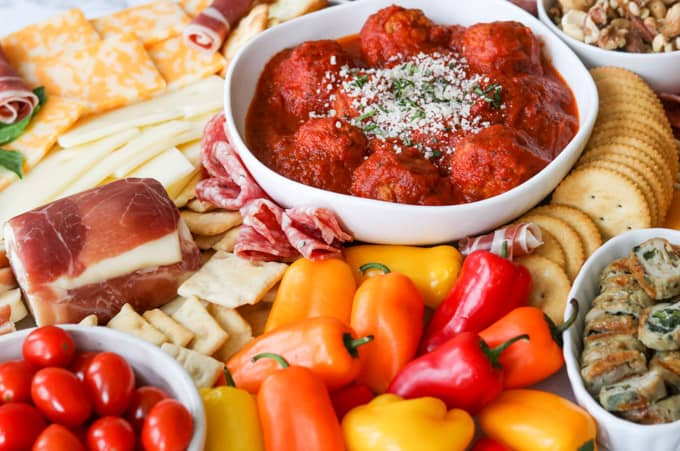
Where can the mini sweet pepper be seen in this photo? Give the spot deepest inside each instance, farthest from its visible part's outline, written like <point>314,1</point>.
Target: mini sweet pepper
<point>489,287</point>
<point>313,288</point>
<point>325,345</point>
<point>232,422</point>
<point>389,307</point>
<point>433,270</point>
<point>532,420</point>
<point>390,422</point>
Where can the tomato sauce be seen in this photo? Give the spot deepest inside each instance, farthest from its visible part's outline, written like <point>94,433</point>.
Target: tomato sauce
<point>414,112</point>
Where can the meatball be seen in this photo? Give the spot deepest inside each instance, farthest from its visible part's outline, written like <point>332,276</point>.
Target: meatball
<point>507,47</point>
<point>493,161</point>
<point>323,154</point>
<point>302,77</point>
<point>395,32</point>
<point>405,177</point>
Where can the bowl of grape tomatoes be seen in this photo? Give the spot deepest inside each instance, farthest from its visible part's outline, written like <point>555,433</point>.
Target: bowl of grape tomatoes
<point>93,388</point>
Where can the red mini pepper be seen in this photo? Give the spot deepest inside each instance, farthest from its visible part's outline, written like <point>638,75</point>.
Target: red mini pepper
<point>463,372</point>
<point>489,287</point>
<point>347,398</point>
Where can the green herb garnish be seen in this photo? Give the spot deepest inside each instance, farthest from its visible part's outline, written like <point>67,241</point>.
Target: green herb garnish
<point>491,95</point>
<point>10,132</point>
<point>12,161</point>
<point>367,114</point>
<point>360,81</point>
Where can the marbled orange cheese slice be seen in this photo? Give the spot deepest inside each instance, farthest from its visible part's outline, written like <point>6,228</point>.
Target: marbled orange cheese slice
<point>151,22</point>
<point>194,7</point>
<point>51,38</point>
<point>104,75</point>
<point>180,65</point>
<point>53,119</point>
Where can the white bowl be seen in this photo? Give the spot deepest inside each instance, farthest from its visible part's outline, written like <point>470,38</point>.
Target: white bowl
<point>151,365</point>
<point>385,222</point>
<point>660,70</point>
<point>615,433</point>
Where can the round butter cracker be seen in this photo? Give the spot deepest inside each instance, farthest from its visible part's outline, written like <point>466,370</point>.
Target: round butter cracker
<point>579,221</point>
<point>550,286</point>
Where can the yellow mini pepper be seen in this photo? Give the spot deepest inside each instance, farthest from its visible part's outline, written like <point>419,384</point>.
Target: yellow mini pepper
<point>433,270</point>
<point>231,419</point>
<point>533,420</point>
<point>310,289</point>
<point>391,422</point>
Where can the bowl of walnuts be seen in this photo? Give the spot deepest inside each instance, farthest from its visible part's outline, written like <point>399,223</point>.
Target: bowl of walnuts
<point>640,35</point>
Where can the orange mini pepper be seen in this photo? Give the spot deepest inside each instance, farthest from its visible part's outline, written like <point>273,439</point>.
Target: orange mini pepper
<point>325,345</point>
<point>389,307</point>
<point>313,288</point>
<point>296,411</point>
<point>527,362</point>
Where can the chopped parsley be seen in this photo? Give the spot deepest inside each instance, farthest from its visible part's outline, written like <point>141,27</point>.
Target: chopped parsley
<point>360,81</point>
<point>491,95</point>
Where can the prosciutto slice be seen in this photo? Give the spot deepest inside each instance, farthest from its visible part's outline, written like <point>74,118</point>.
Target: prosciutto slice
<point>262,236</point>
<point>97,250</point>
<point>210,28</point>
<point>16,100</point>
<point>314,232</point>
<point>516,240</point>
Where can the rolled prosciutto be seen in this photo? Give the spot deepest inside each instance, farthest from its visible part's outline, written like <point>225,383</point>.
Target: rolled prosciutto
<point>16,100</point>
<point>210,28</point>
<point>92,252</point>
<point>511,241</point>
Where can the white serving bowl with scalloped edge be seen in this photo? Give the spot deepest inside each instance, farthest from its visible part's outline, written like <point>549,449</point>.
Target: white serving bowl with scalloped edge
<point>151,366</point>
<point>615,433</point>
<point>660,70</point>
<point>385,222</point>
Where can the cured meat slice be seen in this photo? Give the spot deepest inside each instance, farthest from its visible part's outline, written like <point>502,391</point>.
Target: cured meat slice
<point>261,235</point>
<point>16,100</point>
<point>92,252</point>
<point>314,232</point>
<point>229,186</point>
<point>517,239</point>
<point>210,28</point>
<point>6,326</point>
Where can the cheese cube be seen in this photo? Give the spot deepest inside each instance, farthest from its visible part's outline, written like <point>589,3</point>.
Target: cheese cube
<point>151,22</point>
<point>180,64</point>
<point>67,32</point>
<point>103,75</point>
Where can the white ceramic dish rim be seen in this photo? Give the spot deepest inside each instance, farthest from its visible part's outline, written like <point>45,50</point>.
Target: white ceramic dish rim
<point>168,365</point>
<point>624,56</point>
<point>585,126</point>
<point>572,364</point>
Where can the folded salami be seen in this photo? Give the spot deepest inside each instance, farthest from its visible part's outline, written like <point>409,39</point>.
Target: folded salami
<point>95,251</point>
<point>210,28</point>
<point>16,100</point>
<point>514,240</point>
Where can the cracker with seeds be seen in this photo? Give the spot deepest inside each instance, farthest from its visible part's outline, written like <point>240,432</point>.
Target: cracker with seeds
<point>232,281</point>
<point>550,286</point>
<point>579,221</point>
<point>565,235</point>
<point>611,199</point>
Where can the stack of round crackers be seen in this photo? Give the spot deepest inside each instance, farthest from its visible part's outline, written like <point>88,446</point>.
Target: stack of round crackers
<point>569,237</point>
<point>624,178</point>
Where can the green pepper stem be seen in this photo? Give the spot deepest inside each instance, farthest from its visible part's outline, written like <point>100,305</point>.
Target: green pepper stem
<point>556,331</point>
<point>229,378</point>
<point>373,265</point>
<point>351,343</point>
<point>504,249</point>
<point>494,353</point>
<point>270,355</point>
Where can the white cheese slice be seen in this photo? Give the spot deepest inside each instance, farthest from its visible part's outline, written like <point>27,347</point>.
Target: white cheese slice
<point>160,252</point>
<point>171,169</point>
<point>190,101</point>
<point>192,151</point>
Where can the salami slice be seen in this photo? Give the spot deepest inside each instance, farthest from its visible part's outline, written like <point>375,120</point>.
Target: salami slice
<point>210,28</point>
<point>314,232</point>
<point>16,100</point>
<point>229,186</point>
<point>261,236</point>
<point>517,239</point>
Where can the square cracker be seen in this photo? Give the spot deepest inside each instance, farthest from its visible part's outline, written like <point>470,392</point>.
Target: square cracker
<point>61,34</point>
<point>249,27</point>
<point>131,322</point>
<point>181,65</point>
<point>211,223</point>
<point>204,370</point>
<point>103,75</point>
<point>208,335</point>
<point>177,333</point>
<point>240,332</point>
<point>232,281</point>
<point>151,22</point>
